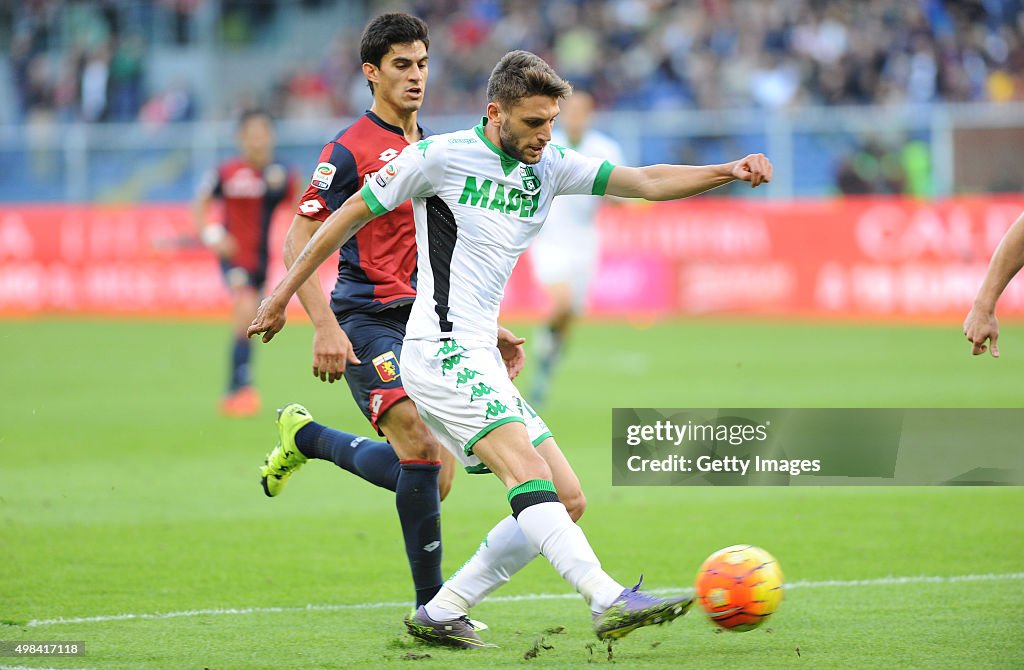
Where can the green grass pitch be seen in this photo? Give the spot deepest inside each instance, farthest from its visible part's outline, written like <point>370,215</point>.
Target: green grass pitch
<point>123,493</point>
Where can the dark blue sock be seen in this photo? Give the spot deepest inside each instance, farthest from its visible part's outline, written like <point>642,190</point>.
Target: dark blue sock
<point>240,353</point>
<point>419,510</point>
<point>373,461</point>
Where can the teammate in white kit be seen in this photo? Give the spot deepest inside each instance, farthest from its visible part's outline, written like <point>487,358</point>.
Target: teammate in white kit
<point>564,256</point>
<point>479,196</point>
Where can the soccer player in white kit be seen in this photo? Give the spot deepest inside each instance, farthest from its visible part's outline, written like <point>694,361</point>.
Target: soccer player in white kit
<point>565,254</point>
<point>479,196</point>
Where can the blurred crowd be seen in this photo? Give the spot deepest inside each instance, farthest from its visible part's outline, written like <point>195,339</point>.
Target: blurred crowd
<point>83,61</point>
<point>720,54</point>
<point>80,60</point>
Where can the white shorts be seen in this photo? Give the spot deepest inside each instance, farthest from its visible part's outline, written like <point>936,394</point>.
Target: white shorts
<point>566,253</point>
<point>464,393</point>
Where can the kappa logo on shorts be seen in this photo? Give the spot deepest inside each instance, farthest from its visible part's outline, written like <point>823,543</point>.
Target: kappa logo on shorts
<point>449,347</point>
<point>479,391</point>
<point>387,367</point>
<point>496,408</point>
<point>465,375</point>
<point>448,364</point>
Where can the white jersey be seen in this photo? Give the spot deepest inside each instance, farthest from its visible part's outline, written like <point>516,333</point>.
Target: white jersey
<point>581,209</point>
<point>476,211</point>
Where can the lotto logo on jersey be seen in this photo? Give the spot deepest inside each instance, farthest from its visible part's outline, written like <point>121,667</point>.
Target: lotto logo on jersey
<point>387,366</point>
<point>323,176</point>
<point>310,207</point>
<point>388,155</point>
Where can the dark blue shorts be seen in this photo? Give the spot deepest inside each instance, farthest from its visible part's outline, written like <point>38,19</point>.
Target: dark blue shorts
<point>236,275</point>
<point>376,337</point>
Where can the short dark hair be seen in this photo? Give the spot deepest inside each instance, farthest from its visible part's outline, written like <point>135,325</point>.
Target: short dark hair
<point>389,29</point>
<point>520,74</point>
<point>254,113</point>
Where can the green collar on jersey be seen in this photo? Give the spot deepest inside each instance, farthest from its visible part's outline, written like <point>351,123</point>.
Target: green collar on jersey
<point>508,164</point>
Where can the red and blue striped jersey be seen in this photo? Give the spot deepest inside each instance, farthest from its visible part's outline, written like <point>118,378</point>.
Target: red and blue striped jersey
<point>377,267</point>
<point>249,194</point>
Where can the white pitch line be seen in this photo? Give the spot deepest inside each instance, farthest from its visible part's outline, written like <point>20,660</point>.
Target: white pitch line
<point>34,667</point>
<point>881,581</point>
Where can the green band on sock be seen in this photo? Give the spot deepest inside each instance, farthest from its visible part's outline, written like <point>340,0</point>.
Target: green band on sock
<point>530,487</point>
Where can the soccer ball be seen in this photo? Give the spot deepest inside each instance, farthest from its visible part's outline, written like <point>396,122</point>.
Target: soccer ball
<point>740,586</point>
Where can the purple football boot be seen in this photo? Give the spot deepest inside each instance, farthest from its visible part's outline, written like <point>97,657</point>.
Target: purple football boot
<point>634,609</point>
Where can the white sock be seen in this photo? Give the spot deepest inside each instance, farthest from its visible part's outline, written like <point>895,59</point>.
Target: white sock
<point>504,552</point>
<point>549,527</point>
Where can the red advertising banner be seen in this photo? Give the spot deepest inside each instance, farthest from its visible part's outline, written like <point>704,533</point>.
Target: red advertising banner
<point>852,257</point>
<point>887,258</point>
<point>138,260</point>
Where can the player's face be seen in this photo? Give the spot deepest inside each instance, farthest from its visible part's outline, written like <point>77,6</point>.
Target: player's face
<point>401,79</point>
<point>256,139</point>
<point>525,128</point>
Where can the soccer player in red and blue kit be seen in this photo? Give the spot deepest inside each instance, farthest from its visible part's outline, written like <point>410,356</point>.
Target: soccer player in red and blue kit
<point>250,187</point>
<point>359,334</point>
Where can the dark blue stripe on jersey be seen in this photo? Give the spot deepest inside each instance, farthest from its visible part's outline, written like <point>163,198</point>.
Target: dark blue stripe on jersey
<point>442,234</point>
<point>346,179</point>
<point>353,291</point>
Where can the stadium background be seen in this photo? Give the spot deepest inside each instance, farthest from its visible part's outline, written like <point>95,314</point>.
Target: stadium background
<point>896,130</point>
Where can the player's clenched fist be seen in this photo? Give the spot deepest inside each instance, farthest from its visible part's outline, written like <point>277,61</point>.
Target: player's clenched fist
<point>755,168</point>
<point>270,318</point>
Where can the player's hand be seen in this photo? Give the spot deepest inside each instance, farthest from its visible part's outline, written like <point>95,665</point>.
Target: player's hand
<point>979,327</point>
<point>332,351</point>
<point>512,351</point>
<point>217,239</point>
<point>270,318</point>
<point>755,168</point>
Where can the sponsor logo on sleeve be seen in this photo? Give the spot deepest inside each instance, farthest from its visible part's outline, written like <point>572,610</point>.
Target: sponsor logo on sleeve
<point>323,176</point>
<point>386,174</point>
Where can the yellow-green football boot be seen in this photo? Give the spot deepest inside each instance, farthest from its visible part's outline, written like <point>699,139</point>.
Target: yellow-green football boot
<point>286,457</point>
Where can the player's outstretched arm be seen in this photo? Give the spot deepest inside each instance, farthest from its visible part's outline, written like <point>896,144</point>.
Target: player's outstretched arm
<point>339,227</point>
<point>981,325</point>
<point>332,350</point>
<point>672,182</point>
